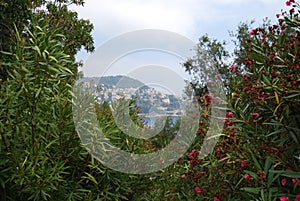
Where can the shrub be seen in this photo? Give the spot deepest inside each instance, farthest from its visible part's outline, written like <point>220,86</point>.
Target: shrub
<point>42,157</point>
<point>258,155</point>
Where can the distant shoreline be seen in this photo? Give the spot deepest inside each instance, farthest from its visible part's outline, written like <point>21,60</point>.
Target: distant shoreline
<point>163,115</point>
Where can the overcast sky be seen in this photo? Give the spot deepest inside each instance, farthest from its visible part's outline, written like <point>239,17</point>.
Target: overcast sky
<point>189,18</point>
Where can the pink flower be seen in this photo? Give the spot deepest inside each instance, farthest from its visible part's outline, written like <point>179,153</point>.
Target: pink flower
<point>198,190</point>
<point>294,82</point>
<point>222,156</point>
<point>252,32</point>
<point>248,177</point>
<point>261,174</point>
<point>295,181</point>
<point>193,153</point>
<point>228,123</point>
<point>284,198</point>
<point>288,3</point>
<point>229,114</point>
<point>243,164</point>
<point>233,67</point>
<point>283,182</point>
<point>207,97</point>
<point>223,184</point>
<point>183,176</point>
<point>255,115</point>
<point>216,199</point>
<point>297,197</point>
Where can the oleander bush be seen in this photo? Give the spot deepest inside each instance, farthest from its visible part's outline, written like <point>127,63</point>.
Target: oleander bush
<point>42,157</point>
<point>258,157</point>
<point>258,154</point>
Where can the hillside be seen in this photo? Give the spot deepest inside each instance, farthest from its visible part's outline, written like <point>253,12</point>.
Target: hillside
<point>119,81</point>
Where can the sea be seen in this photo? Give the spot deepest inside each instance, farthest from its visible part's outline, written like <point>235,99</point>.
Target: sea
<point>150,121</point>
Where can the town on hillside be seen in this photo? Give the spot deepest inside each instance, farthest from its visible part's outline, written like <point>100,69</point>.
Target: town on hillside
<point>152,103</point>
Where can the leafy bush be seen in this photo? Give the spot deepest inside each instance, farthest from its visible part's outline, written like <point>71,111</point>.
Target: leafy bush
<point>258,156</point>
<point>41,155</point>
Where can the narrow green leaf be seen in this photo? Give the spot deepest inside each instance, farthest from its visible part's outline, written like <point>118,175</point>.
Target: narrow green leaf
<point>267,166</point>
<point>252,190</point>
<point>91,178</point>
<point>266,80</point>
<point>36,48</point>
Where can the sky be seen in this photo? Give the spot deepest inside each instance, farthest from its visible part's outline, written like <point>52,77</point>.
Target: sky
<point>189,18</point>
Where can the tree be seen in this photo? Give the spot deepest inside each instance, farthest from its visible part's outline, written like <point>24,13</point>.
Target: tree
<point>209,61</point>
<point>266,105</point>
<point>35,111</point>
<point>11,12</point>
<point>42,157</point>
<point>20,14</point>
<point>257,157</point>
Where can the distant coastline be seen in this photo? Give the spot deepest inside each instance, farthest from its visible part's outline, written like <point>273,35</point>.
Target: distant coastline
<point>149,100</point>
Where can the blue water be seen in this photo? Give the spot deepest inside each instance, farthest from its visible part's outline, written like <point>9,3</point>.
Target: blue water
<point>150,121</point>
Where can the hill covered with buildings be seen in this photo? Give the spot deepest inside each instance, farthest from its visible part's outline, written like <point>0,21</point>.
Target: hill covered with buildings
<point>148,99</point>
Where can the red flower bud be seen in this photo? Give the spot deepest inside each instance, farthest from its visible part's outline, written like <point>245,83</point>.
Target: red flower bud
<point>283,182</point>
<point>248,177</point>
<point>243,164</point>
<point>198,190</point>
<point>255,115</point>
<point>229,114</point>
<point>294,82</point>
<point>284,198</point>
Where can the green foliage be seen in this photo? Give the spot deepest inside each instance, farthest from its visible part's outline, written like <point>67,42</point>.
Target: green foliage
<point>18,13</point>
<point>240,37</point>
<point>15,12</point>
<point>118,136</point>
<point>77,32</point>
<point>209,61</point>
<point>41,155</point>
<point>35,115</point>
<point>271,85</point>
<point>12,12</point>
<point>257,157</point>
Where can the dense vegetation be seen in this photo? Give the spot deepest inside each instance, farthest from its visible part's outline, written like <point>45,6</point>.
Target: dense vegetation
<point>41,156</point>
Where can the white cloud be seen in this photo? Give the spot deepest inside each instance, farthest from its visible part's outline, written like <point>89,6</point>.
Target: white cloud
<point>114,17</point>
<point>191,18</point>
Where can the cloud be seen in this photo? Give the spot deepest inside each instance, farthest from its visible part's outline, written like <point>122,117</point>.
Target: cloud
<point>114,17</point>
<point>191,18</point>
<point>118,16</point>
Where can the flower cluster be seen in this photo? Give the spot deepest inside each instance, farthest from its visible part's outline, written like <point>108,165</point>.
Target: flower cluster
<point>285,198</point>
<point>229,121</point>
<point>261,124</point>
<point>207,98</point>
